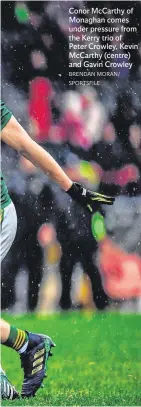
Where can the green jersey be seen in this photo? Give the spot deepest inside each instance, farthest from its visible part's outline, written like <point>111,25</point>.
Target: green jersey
<point>4,196</point>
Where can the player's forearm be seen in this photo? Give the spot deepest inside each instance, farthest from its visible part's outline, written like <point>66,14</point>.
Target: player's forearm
<point>41,158</point>
<point>16,137</point>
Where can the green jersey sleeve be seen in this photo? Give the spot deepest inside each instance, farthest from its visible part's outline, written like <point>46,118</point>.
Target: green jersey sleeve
<point>5,115</point>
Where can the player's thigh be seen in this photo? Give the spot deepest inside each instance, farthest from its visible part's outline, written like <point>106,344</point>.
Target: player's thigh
<point>8,230</point>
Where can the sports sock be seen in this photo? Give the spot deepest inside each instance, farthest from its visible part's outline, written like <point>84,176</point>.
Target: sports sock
<point>17,339</point>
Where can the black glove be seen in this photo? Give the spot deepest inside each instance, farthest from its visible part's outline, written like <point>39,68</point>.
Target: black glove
<point>88,199</point>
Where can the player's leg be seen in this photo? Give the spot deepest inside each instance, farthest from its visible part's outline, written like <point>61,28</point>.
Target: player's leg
<point>16,255</point>
<point>7,236</point>
<point>34,350</point>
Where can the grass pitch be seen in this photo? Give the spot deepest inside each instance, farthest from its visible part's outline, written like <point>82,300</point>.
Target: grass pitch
<point>97,360</point>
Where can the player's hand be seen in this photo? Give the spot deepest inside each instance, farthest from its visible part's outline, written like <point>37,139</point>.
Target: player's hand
<point>88,199</point>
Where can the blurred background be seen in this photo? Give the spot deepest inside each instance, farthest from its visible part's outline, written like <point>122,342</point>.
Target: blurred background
<point>95,135</point>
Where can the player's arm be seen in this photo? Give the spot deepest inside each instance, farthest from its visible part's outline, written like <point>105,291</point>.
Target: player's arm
<point>16,137</point>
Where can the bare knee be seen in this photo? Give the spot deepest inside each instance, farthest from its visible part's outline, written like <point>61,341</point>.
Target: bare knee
<point>4,330</point>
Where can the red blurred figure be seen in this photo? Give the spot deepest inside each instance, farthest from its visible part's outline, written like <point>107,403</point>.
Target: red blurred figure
<point>120,271</point>
<point>40,95</point>
<point>128,173</point>
<point>82,119</point>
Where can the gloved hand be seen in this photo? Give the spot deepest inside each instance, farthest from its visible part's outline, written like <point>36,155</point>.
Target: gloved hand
<point>88,199</point>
